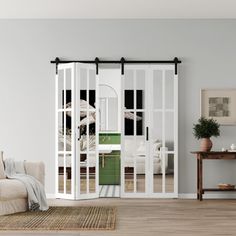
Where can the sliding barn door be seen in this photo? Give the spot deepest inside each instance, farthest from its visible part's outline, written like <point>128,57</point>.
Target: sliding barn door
<point>149,131</point>
<point>135,146</point>
<point>65,131</point>
<point>87,126</point>
<point>163,90</point>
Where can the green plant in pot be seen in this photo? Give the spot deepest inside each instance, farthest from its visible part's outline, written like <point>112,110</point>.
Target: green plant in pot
<point>204,130</point>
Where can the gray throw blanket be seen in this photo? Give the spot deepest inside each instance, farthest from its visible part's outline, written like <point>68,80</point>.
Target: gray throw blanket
<point>36,194</point>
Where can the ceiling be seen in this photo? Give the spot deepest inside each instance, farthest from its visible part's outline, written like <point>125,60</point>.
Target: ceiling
<point>118,9</point>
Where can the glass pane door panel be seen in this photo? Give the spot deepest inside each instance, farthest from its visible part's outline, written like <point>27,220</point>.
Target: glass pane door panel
<point>61,131</point>
<point>68,131</point>
<point>157,130</point>
<point>60,85</point>
<point>61,173</point>
<point>157,89</point>
<point>129,164</point>
<point>170,174</point>
<point>140,123</point>
<point>83,173</point>
<point>68,88</point>
<point>157,174</point>
<point>169,130</point>
<point>92,173</point>
<point>169,89</point>
<point>92,89</point>
<point>140,89</point>
<point>141,160</point>
<point>92,131</point>
<point>129,123</point>
<point>68,174</point>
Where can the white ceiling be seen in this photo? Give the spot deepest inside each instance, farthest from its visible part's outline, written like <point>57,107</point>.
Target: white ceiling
<point>120,9</point>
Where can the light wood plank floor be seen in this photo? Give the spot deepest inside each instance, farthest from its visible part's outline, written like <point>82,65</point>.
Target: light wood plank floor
<point>161,217</point>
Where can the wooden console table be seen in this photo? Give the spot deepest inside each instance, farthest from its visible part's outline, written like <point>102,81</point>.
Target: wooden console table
<point>210,156</point>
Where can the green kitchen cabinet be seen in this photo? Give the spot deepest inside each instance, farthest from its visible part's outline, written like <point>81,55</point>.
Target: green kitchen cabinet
<point>109,169</point>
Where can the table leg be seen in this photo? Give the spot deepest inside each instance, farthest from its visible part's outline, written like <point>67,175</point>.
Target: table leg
<point>200,178</point>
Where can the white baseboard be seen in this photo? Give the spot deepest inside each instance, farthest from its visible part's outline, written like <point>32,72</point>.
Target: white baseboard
<point>208,196</point>
<point>50,195</point>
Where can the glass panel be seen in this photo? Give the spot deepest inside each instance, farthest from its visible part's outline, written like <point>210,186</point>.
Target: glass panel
<point>68,174</point>
<point>129,123</point>
<point>92,173</point>
<point>68,88</point>
<point>60,88</point>
<point>68,131</point>
<point>92,131</point>
<point>140,88</point>
<point>157,89</point>
<point>60,131</point>
<point>156,145</point>
<point>140,164</point>
<point>169,130</point>
<point>83,130</point>
<point>92,89</point>
<point>83,173</point>
<point>169,85</point>
<point>61,173</point>
<point>170,173</point>
<point>83,89</point>
<point>129,165</point>
<point>140,123</point>
<point>129,99</point>
<point>129,79</point>
<point>129,89</point>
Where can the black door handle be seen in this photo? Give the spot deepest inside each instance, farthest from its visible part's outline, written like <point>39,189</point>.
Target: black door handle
<point>147,134</point>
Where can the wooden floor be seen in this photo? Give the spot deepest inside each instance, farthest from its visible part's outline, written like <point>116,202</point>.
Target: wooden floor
<point>144,217</point>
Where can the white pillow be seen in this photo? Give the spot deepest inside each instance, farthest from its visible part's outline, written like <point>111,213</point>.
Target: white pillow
<point>156,147</point>
<point>141,151</point>
<point>2,172</point>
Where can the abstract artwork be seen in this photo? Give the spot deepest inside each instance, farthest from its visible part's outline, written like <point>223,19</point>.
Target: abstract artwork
<point>219,104</point>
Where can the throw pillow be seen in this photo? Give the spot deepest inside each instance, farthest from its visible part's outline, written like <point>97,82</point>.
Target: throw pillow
<point>2,172</point>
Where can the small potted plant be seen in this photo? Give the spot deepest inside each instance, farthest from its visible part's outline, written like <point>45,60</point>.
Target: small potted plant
<point>204,129</point>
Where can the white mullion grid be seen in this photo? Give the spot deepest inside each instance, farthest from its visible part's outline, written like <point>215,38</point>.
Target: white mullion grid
<point>163,133</point>
<point>176,134</point>
<point>135,132</point>
<point>87,132</point>
<point>56,132</point>
<point>97,135</point>
<point>64,125</point>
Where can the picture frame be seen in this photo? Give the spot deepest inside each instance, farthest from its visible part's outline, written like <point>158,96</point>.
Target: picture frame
<point>219,104</point>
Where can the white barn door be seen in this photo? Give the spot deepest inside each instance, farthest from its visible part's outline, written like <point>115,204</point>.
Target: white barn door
<point>77,131</point>
<point>149,155</point>
<point>65,131</point>
<point>87,125</point>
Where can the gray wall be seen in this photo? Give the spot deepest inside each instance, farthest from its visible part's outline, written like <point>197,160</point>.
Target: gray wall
<point>207,49</point>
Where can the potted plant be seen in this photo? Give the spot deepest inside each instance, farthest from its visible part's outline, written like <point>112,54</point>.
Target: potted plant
<point>204,129</point>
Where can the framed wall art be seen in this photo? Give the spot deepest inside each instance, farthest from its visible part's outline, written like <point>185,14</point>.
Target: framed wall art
<point>219,104</point>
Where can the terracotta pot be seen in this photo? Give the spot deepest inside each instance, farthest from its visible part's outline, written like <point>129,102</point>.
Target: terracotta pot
<point>205,145</point>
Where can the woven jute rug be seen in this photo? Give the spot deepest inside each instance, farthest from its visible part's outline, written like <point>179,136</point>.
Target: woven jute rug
<point>62,218</point>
